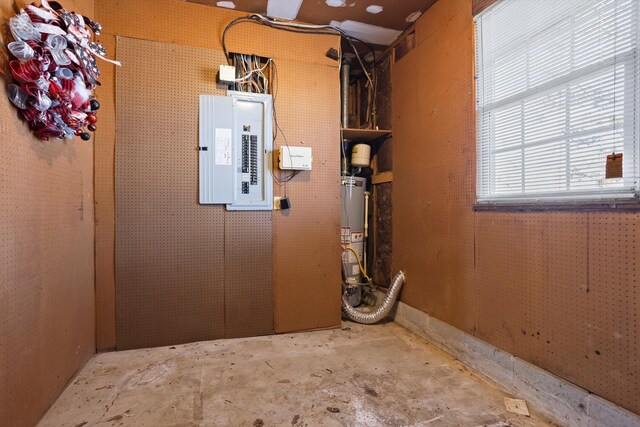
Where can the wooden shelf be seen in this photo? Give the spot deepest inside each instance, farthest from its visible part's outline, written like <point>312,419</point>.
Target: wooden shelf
<point>364,135</point>
<point>382,177</point>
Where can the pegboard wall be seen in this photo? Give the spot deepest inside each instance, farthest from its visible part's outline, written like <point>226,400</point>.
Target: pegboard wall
<point>170,250</point>
<point>557,289</point>
<point>306,238</point>
<point>298,256</point>
<point>248,274</point>
<point>47,312</point>
<point>104,185</point>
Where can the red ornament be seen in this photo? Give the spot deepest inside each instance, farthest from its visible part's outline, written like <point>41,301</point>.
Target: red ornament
<point>92,118</point>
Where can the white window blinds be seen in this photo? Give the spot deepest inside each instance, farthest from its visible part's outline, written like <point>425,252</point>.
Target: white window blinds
<point>557,91</point>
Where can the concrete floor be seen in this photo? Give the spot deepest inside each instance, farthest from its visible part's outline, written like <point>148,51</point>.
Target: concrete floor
<point>355,376</point>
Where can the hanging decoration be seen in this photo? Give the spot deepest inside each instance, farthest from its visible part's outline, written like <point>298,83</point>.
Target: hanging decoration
<point>55,70</point>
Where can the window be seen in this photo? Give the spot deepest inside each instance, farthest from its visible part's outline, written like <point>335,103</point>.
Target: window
<point>557,92</point>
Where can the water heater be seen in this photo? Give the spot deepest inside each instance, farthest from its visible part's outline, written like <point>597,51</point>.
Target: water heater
<point>352,224</point>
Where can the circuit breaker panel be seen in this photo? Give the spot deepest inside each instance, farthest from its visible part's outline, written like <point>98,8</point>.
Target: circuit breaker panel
<point>235,150</point>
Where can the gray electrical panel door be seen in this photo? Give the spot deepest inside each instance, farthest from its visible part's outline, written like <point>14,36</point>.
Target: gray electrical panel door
<point>216,143</point>
<point>235,151</point>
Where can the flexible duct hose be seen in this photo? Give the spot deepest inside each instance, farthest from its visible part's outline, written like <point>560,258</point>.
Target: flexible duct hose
<point>382,311</point>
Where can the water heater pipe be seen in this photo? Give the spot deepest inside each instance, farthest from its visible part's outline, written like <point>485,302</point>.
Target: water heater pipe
<point>382,311</point>
<point>366,229</point>
<point>355,254</point>
<point>344,86</point>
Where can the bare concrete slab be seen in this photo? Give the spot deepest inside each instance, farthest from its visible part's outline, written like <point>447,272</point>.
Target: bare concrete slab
<point>379,375</point>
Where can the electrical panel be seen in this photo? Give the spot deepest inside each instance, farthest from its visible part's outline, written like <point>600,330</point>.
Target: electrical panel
<point>235,145</point>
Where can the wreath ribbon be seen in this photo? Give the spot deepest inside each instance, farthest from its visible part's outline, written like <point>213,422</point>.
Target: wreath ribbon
<point>55,70</point>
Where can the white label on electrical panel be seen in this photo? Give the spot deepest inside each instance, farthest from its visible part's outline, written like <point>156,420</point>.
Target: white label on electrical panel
<point>355,269</point>
<point>223,146</point>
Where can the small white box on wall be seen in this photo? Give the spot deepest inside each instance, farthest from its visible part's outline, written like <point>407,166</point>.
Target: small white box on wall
<point>227,74</point>
<point>295,158</point>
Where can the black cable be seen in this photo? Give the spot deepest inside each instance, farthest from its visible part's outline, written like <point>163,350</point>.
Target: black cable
<point>275,88</point>
<point>323,30</point>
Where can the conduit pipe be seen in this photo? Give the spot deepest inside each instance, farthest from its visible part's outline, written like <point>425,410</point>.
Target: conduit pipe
<point>344,89</point>
<point>382,311</point>
<point>366,230</point>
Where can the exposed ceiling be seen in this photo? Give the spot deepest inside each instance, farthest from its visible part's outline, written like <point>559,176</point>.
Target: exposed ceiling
<point>375,21</point>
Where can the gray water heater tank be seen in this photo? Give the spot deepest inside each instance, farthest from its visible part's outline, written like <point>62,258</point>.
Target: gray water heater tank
<point>352,224</point>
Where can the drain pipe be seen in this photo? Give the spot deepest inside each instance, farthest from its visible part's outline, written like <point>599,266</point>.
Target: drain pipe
<point>382,311</point>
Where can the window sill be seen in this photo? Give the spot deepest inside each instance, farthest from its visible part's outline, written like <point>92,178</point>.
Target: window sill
<point>604,206</point>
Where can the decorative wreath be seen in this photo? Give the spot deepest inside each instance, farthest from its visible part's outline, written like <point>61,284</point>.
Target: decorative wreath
<point>55,70</point>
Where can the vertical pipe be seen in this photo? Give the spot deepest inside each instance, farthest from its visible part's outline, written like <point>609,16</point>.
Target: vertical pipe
<point>345,161</point>
<point>366,231</point>
<point>344,86</point>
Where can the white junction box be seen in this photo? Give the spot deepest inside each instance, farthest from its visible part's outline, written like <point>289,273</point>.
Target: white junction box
<point>227,74</point>
<point>295,158</point>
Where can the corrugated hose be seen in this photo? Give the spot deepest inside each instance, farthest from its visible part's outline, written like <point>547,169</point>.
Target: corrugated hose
<point>382,311</point>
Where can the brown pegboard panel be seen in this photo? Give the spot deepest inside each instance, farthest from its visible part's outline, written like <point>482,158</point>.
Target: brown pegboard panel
<point>306,238</point>
<point>248,274</point>
<point>510,269</point>
<point>46,257</point>
<point>104,184</point>
<point>566,293</point>
<point>433,232</point>
<point>558,289</point>
<point>311,277</point>
<point>612,343</point>
<point>169,249</point>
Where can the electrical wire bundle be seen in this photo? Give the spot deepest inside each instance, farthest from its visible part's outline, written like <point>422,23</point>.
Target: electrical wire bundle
<point>254,79</point>
<point>252,68</point>
<point>370,73</point>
